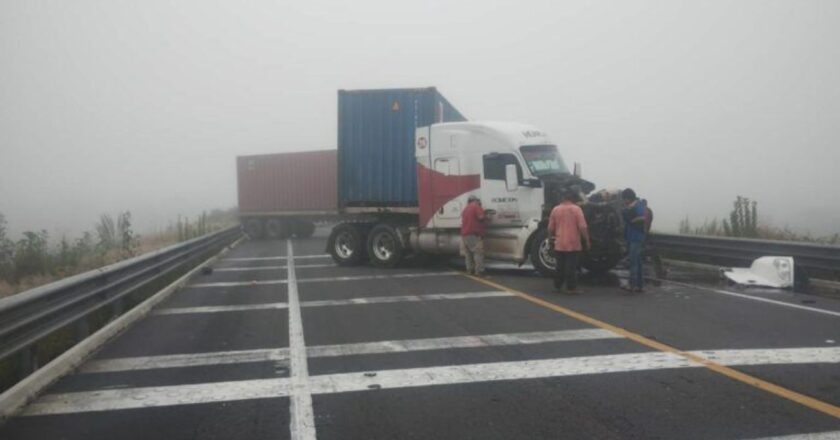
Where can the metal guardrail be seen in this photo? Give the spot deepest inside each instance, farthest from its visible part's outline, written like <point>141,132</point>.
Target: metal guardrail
<point>71,304</point>
<point>817,260</point>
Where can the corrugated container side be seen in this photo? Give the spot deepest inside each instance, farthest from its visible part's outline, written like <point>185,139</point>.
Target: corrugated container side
<point>376,143</point>
<point>288,182</point>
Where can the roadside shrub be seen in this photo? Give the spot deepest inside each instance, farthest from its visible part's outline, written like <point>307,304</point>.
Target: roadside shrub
<point>31,255</point>
<point>32,261</point>
<point>744,222</point>
<point>7,251</point>
<point>129,241</point>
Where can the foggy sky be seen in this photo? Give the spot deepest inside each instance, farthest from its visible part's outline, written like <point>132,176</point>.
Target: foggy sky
<point>115,105</point>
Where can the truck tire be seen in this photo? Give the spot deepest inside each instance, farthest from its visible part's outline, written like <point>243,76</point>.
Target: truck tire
<point>542,257</point>
<point>346,245</point>
<point>254,228</point>
<point>384,247</point>
<point>303,229</point>
<point>277,229</point>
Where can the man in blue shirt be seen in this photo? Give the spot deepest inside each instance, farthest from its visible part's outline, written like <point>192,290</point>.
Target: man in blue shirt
<point>634,232</point>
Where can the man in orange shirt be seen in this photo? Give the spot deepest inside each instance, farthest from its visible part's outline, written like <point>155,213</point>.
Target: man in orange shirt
<point>567,225</point>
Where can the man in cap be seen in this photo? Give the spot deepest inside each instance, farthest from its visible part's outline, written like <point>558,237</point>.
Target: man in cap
<point>472,235</point>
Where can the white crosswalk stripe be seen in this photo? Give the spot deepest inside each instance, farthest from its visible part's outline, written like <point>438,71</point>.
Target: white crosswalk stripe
<point>322,280</point>
<point>394,346</point>
<point>332,303</point>
<point>106,400</point>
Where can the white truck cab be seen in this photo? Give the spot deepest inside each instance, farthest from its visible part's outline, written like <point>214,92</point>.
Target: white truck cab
<point>500,162</point>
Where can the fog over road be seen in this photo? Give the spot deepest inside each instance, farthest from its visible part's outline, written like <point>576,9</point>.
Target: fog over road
<point>143,106</point>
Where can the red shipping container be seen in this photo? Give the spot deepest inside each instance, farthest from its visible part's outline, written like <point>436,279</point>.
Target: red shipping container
<point>288,183</point>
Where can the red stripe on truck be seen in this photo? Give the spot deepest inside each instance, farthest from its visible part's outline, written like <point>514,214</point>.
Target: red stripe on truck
<point>437,189</point>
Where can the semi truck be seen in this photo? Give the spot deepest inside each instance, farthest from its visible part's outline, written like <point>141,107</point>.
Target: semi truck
<point>285,194</point>
<point>407,163</point>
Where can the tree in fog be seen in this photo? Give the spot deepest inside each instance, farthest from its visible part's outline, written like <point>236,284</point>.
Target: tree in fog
<point>106,230</point>
<point>7,251</point>
<point>31,255</point>
<point>128,240</point>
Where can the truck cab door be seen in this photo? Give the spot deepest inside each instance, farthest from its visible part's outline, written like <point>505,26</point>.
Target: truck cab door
<point>497,193</point>
<point>446,195</point>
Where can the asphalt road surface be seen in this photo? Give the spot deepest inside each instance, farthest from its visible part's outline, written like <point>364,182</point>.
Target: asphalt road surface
<point>279,343</point>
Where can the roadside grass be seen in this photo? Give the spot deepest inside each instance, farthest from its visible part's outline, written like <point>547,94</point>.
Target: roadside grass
<point>744,221</point>
<point>32,260</point>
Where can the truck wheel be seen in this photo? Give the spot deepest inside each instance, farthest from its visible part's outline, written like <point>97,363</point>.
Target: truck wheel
<point>277,229</point>
<point>542,256</point>
<point>304,229</point>
<point>384,246</point>
<point>346,245</point>
<point>254,228</point>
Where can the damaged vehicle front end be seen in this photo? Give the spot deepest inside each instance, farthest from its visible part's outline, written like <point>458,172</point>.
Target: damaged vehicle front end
<point>602,211</point>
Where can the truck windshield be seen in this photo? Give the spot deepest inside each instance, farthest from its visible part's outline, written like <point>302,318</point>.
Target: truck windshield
<point>543,160</point>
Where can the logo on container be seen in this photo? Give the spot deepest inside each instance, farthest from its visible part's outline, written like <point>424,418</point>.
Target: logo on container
<point>422,143</point>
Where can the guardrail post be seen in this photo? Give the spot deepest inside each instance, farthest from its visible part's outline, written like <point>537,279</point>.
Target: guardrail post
<point>82,329</point>
<point>117,308</point>
<point>28,360</point>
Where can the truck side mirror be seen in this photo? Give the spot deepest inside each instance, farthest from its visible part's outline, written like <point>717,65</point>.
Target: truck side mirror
<point>511,177</point>
<point>578,172</point>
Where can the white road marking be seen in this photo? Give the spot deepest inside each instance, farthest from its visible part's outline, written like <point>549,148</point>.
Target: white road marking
<point>263,268</point>
<point>299,257</point>
<point>332,303</point>
<point>773,356</point>
<point>376,277</point>
<point>237,284</point>
<point>185,360</point>
<point>395,346</point>
<point>756,298</point>
<point>322,280</point>
<point>831,435</point>
<point>411,345</point>
<point>220,309</point>
<point>302,423</point>
<point>104,400</point>
<point>405,298</point>
<point>150,397</point>
<point>497,371</point>
<point>460,374</point>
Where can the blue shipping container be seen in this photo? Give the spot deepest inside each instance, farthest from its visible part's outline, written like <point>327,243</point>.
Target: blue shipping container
<point>376,164</point>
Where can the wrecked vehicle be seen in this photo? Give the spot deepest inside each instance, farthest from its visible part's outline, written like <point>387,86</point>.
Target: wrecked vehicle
<point>602,210</point>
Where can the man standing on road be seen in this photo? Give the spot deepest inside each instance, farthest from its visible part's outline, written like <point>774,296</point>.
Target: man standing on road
<point>634,214</point>
<point>567,225</point>
<point>472,236</point>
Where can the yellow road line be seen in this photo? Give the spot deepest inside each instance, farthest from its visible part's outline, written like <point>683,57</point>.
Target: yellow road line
<point>731,373</point>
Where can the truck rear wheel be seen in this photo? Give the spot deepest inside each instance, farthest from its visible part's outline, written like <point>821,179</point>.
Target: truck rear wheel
<point>384,246</point>
<point>254,228</point>
<point>346,245</point>
<point>277,229</point>
<point>303,229</point>
<point>542,256</point>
